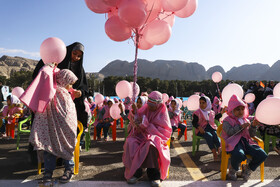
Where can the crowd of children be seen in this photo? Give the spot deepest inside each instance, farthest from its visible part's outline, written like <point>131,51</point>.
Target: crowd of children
<point>152,123</point>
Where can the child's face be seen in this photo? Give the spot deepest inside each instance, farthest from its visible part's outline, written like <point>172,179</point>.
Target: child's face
<point>139,103</point>
<point>8,102</point>
<point>239,111</point>
<point>68,87</point>
<point>152,108</point>
<point>173,105</point>
<point>202,104</point>
<point>110,104</point>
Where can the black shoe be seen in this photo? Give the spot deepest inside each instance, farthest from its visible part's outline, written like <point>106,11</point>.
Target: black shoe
<point>67,175</point>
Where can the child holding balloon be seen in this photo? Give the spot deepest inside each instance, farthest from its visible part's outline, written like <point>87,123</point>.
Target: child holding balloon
<point>237,132</point>
<point>203,121</point>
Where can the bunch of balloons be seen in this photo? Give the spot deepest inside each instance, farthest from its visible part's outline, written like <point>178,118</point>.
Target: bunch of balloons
<point>150,20</point>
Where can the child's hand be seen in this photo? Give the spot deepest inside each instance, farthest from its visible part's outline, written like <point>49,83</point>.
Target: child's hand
<point>201,130</point>
<point>224,110</point>
<point>77,93</point>
<point>255,123</point>
<point>245,125</point>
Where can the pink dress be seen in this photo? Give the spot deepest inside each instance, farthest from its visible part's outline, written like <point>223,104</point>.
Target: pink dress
<point>155,130</point>
<point>55,129</point>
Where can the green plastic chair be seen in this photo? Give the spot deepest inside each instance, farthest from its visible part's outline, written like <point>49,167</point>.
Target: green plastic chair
<point>195,142</point>
<point>22,131</point>
<point>267,139</point>
<point>87,135</point>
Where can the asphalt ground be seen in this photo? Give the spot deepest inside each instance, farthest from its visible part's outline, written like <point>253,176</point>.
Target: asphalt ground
<point>103,162</point>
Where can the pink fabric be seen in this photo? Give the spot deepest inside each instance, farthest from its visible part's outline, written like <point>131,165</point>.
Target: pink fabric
<point>233,121</point>
<point>154,130</point>
<point>41,90</point>
<point>107,112</point>
<point>87,106</point>
<point>55,129</point>
<point>71,91</point>
<point>203,122</point>
<point>5,111</point>
<point>216,107</point>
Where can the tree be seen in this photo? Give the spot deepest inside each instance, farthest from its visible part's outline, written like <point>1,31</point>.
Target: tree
<point>20,78</point>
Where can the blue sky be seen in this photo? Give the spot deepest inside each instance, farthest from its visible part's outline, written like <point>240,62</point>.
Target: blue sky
<point>220,32</point>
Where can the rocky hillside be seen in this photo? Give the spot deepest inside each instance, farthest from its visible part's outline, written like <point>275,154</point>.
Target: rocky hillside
<point>11,64</point>
<point>162,69</point>
<point>180,70</point>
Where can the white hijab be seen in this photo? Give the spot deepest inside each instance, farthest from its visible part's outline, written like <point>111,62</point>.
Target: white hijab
<point>207,110</point>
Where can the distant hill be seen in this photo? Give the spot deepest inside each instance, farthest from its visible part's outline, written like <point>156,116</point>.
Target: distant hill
<point>180,70</point>
<point>162,69</point>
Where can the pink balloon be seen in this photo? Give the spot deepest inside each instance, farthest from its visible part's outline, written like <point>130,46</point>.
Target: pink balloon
<point>113,3</point>
<point>173,5</point>
<point>153,8</point>
<point>115,111</point>
<point>132,13</point>
<point>185,103</point>
<point>269,96</point>
<point>116,30</point>
<point>165,97</point>
<point>188,10</point>
<point>231,89</point>
<point>217,77</point>
<point>123,89</point>
<point>276,90</point>
<point>137,89</point>
<point>250,97</point>
<point>143,44</point>
<point>267,111</point>
<point>157,32</point>
<point>17,91</point>
<point>52,50</point>
<point>99,98</point>
<point>97,6</point>
<point>113,12</point>
<point>180,102</point>
<point>168,17</point>
<point>193,102</point>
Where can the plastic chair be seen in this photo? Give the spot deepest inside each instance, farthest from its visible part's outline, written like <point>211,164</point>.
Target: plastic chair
<point>267,139</point>
<point>185,133</point>
<point>226,156</point>
<point>76,151</point>
<point>114,131</point>
<point>21,131</point>
<point>195,142</point>
<point>87,134</point>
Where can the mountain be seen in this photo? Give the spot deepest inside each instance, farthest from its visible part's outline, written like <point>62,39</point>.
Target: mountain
<point>162,69</point>
<point>9,65</point>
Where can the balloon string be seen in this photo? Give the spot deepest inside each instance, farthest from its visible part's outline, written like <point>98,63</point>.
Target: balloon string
<point>219,91</point>
<point>135,66</point>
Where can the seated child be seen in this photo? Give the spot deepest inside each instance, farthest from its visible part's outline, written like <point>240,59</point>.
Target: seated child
<point>203,121</point>
<point>104,120</point>
<point>237,132</point>
<point>175,118</point>
<point>4,115</point>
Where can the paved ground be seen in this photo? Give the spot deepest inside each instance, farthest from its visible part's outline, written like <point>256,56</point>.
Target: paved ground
<point>103,162</point>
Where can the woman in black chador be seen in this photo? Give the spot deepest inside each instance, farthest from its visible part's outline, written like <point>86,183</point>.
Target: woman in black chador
<point>74,62</point>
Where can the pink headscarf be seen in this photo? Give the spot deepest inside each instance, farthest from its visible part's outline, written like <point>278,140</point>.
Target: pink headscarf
<point>65,77</point>
<point>216,107</point>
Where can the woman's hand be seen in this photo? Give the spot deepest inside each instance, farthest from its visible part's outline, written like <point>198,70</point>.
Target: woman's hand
<point>224,110</point>
<point>77,93</point>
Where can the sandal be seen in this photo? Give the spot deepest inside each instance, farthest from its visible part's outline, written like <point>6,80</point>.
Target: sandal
<point>67,175</point>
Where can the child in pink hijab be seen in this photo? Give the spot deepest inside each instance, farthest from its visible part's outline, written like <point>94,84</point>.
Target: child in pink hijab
<point>146,146</point>
<point>54,130</point>
<point>237,132</point>
<point>175,118</point>
<point>217,105</point>
<point>203,121</point>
